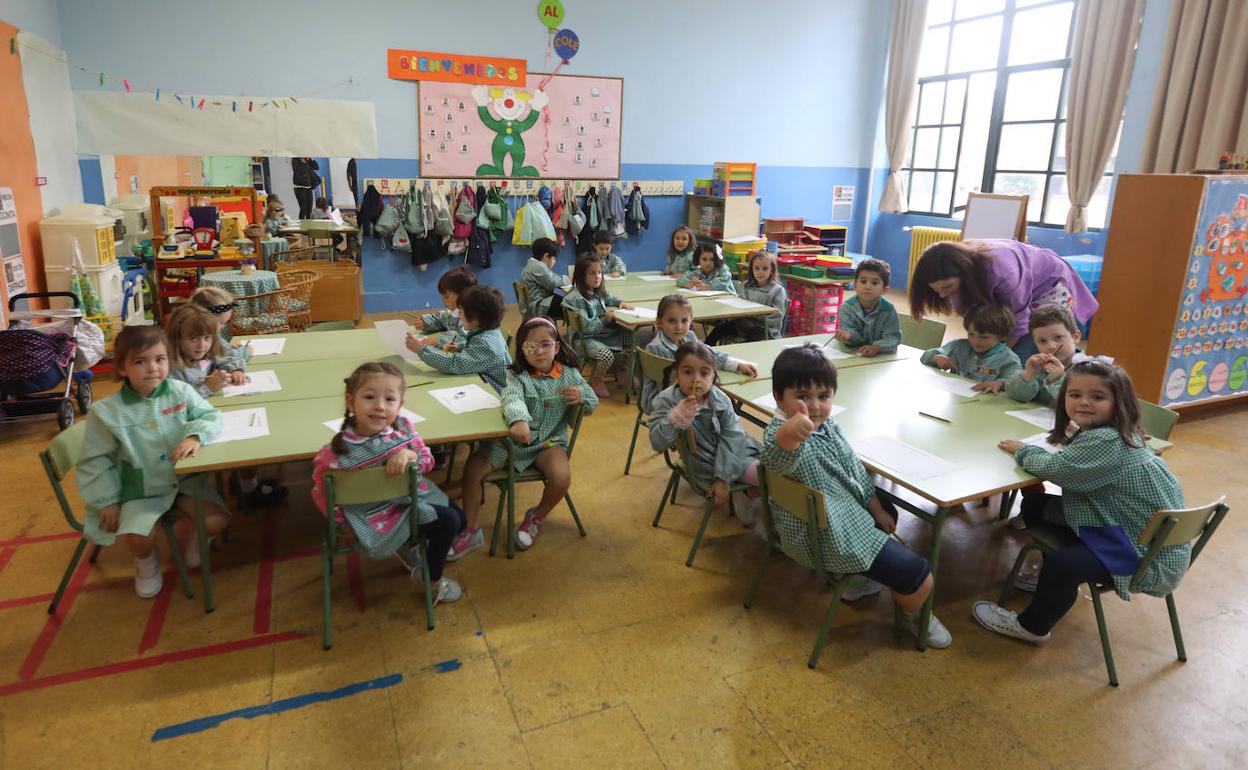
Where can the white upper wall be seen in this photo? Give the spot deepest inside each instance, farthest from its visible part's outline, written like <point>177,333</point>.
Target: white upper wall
<point>788,82</point>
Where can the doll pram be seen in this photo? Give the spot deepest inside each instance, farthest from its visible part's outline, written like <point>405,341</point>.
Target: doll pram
<point>36,369</point>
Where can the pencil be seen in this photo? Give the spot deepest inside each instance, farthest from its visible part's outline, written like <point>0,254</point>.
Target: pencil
<point>935,417</point>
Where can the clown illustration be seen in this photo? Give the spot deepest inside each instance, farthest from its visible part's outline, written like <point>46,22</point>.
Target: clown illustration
<point>508,105</point>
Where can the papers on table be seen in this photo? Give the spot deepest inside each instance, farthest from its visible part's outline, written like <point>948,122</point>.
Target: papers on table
<point>264,381</point>
<point>336,424</point>
<point>267,346</point>
<point>1042,440</point>
<point>1041,416</point>
<point>469,398</point>
<point>638,312</point>
<point>656,277</point>
<point>905,460</point>
<point>702,293</point>
<point>613,278</point>
<point>737,302</point>
<point>394,334</point>
<point>242,424</point>
<point>951,384</point>
<point>835,353</point>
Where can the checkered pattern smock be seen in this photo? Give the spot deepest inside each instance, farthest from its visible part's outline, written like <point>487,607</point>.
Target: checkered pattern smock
<point>880,327</point>
<point>481,352</point>
<point>662,346</point>
<point>825,461</point>
<point>599,334</point>
<point>1106,483</point>
<point>999,362</point>
<point>445,321</point>
<point>541,282</point>
<point>535,399</point>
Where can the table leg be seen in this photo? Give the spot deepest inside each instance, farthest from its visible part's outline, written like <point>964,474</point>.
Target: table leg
<point>205,568</point>
<point>511,500</point>
<point>925,616</point>
<point>630,344</point>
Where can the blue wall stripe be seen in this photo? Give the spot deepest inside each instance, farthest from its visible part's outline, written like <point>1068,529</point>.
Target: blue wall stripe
<point>288,704</point>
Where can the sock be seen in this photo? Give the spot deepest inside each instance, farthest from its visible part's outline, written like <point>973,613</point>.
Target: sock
<point>148,564</point>
<point>247,485</point>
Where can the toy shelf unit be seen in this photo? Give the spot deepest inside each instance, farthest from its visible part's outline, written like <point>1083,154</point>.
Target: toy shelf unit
<point>831,237</point>
<point>732,179</point>
<point>715,218</point>
<point>814,302</point>
<point>785,231</point>
<point>1173,289</point>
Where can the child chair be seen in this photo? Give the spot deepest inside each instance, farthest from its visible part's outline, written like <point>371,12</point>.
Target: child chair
<point>507,478</point>
<point>920,334</point>
<point>1166,528</point>
<point>58,460</point>
<point>368,486</point>
<point>1157,421</point>
<point>652,368</point>
<point>522,300</point>
<point>806,504</point>
<point>686,445</point>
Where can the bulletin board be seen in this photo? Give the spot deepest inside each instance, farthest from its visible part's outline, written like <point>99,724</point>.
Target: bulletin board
<point>575,135</point>
<point>1209,349</point>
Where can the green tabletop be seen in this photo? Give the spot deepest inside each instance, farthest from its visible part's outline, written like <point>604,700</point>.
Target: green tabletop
<point>764,353</point>
<point>317,379</point>
<point>296,431</point>
<point>704,309</point>
<point>318,346</point>
<point>641,291</point>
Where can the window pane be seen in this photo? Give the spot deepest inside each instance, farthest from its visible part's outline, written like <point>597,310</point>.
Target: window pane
<point>975,135</point>
<point>930,103</point>
<point>975,44</point>
<point>1059,202</point>
<point>1022,184</point>
<point>925,148</point>
<point>948,148</point>
<point>944,193</point>
<point>1059,152</point>
<point>1098,207</point>
<point>921,191</point>
<point>1040,34</point>
<point>939,11</point>
<point>1025,147</point>
<point>932,57</point>
<point>968,8</point>
<point>1033,95</point>
<point>954,95</point>
<point>1029,3</point>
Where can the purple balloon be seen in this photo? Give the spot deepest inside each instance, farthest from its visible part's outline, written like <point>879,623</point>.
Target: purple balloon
<point>566,44</point>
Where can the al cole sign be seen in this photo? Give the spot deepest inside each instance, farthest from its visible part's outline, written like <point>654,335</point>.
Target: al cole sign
<point>455,68</point>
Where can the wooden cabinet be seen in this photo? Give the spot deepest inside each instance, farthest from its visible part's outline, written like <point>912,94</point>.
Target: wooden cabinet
<point>715,219</point>
<point>1173,287</point>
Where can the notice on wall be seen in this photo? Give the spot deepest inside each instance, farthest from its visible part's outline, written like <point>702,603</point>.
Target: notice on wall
<point>11,246</point>
<point>842,203</point>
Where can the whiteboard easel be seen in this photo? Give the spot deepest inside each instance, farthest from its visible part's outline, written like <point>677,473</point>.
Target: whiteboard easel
<point>995,216</point>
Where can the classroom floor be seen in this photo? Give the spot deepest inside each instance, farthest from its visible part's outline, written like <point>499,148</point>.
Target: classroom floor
<point>604,651</point>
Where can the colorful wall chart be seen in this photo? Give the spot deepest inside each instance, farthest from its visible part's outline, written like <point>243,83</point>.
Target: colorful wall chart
<point>568,130</point>
<point>1209,348</point>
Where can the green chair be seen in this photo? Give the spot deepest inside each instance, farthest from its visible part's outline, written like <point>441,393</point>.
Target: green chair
<point>58,460</point>
<point>506,480</point>
<point>1157,421</point>
<point>685,447</point>
<point>331,326</point>
<point>368,486</point>
<point>1166,528</point>
<point>807,504</point>
<point>522,300</point>
<point>576,338</point>
<point>921,334</point>
<point>652,368</point>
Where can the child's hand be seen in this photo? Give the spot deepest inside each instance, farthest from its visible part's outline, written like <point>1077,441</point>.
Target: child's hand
<point>748,369</point>
<point>414,343</point>
<point>615,274</point>
<point>451,347</point>
<point>187,447</point>
<point>796,429</point>
<point>238,378</point>
<point>418,322</point>
<point>1009,445</point>
<point>627,306</point>
<point>843,335</point>
<point>610,316</point>
<point>110,518</point>
<point>681,416</point>
<point>992,386</point>
<point>217,380</point>
<point>520,433</point>
<point>719,493</point>
<point>1033,367</point>
<point>882,520</point>
<point>869,350</point>
<point>943,362</point>
<point>398,462</point>
<point>1054,367</point>
<point>571,395</point>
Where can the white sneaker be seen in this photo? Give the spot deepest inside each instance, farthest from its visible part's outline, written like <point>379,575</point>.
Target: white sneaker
<point>1005,622</point>
<point>938,637</point>
<point>147,578</point>
<point>191,554</point>
<point>446,591</point>
<point>867,587</point>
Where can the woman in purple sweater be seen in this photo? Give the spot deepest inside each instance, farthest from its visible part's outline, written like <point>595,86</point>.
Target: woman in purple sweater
<point>954,277</point>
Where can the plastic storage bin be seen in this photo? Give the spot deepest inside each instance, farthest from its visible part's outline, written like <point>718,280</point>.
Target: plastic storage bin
<point>1088,266</point>
<point>105,279</point>
<point>814,309</point>
<point>94,234</point>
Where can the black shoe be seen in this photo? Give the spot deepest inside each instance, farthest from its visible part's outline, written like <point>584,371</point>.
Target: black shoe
<point>266,493</point>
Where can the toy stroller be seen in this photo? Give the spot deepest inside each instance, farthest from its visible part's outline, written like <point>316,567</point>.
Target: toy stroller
<point>37,369</point>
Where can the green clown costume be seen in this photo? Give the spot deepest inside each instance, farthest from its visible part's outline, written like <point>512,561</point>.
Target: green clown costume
<point>508,104</point>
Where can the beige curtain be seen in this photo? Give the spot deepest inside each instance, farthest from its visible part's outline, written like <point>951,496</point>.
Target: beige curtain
<point>905,43</point>
<point>1200,108</point>
<point>1106,33</point>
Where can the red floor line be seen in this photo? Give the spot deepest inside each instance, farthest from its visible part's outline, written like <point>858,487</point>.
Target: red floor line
<point>6,555</point>
<point>25,601</point>
<point>263,617</point>
<point>355,578</point>
<point>139,664</point>
<point>160,610</point>
<point>39,539</point>
<point>53,624</point>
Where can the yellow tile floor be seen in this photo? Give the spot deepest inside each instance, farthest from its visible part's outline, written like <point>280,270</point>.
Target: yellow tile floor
<point>607,651</point>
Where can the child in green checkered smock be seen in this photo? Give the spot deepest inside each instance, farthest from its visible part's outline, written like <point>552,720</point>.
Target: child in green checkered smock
<point>709,273</point>
<point>805,444</point>
<point>126,470</point>
<point>983,356</point>
<point>448,321</point>
<point>680,251</point>
<point>675,316</point>
<point>602,339</point>
<point>544,388</point>
<point>1112,485</point>
<point>483,350</point>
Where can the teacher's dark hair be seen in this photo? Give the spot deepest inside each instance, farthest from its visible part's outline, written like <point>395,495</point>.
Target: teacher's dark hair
<point>948,259</point>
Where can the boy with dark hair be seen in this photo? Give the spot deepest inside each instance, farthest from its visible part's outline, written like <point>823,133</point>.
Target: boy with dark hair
<point>612,265</point>
<point>1057,337</point>
<point>483,351</point>
<point>983,356</point>
<point>447,321</point>
<point>542,281</point>
<point>868,322</point>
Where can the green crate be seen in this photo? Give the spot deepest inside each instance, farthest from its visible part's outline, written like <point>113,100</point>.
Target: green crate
<point>805,271</point>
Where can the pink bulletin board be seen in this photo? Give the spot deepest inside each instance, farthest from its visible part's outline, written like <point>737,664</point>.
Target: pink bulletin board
<point>574,135</point>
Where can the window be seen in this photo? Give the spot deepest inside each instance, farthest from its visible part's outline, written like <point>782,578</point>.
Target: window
<point>990,115</point>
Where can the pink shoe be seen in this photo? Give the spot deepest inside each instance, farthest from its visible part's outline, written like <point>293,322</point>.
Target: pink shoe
<point>600,388</point>
<point>468,541</point>
<point>528,531</point>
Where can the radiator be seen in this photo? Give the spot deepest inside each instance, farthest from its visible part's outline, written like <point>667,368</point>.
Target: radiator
<point>922,237</point>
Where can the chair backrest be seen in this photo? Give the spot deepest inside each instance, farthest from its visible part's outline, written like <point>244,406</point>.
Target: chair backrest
<point>522,296</point>
<point>1177,527</point>
<point>370,485</point>
<point>652,366</point>
<point>58,460</point>
<point>576,333</point>
<point>1157,421</point>
<point>574,420</point>
<point>686,446</point>
<point>799,500</point>
<point>921,334</point>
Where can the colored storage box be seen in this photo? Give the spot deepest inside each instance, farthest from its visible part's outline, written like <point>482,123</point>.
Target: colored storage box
<point>1088,266</point>
<point>702,187</point>
<point>814,309</point>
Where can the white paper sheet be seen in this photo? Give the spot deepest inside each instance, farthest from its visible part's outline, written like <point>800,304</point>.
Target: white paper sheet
<point>242,424</point>
<point>638,312</point>
<point>263,381</point>
<point>951,384</point>
<point>706,293</point>
<point>909,462</point>
<point>768,401</point>
<point>613,278</point>
<point>267,346</point>
<point>394,334</point>
<point>336,423</point>
<point>469,398</point>
<point>656,277</point>
<point>1042,440</point>
<point>1040,416</point>
<point>744,304</point>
